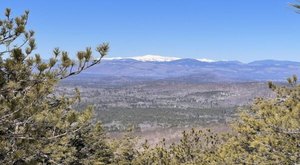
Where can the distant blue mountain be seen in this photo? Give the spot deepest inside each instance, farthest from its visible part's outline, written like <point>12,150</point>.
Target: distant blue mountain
<point>196,70</point>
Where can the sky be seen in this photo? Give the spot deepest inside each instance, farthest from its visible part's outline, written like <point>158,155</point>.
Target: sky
<point>245,30</point>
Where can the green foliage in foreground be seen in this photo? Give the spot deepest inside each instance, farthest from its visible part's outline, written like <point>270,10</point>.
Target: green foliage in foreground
<point>40,127</point>
<point>37,126</point>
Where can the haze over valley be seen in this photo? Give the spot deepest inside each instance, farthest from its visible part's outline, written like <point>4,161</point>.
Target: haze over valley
<point>150,92</point>
<point>196,70</point>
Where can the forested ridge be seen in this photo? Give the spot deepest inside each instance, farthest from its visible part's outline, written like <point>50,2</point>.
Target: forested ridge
<point>39,126</point>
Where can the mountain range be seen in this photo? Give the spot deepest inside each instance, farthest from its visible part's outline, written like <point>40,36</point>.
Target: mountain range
<point>196,70</point>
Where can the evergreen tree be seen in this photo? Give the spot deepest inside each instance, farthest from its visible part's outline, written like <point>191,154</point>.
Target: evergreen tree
<point>125,149</point>
<point>269,131</point>
<point>36,125</point>
<point>195,147</point>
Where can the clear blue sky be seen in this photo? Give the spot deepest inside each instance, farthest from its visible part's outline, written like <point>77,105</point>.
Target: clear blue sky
<point>216,29</point>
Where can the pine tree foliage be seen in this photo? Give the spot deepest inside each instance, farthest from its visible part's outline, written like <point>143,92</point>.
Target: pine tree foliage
<point>124,149</point>
<point>195,147</point>
<point>268,132</point>
<point>36,125</point>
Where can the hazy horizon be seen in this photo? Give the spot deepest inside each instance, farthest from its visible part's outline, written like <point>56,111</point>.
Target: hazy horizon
<point>173,58</point>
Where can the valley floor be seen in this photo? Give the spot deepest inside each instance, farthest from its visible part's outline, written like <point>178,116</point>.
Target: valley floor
<point>164,104</point>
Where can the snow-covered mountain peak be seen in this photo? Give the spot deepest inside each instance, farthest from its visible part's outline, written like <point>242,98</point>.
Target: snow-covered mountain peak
<point>206,60</point>
<point>155,58</point>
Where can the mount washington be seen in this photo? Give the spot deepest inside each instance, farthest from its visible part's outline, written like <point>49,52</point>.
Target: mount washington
<point>152,67</point>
